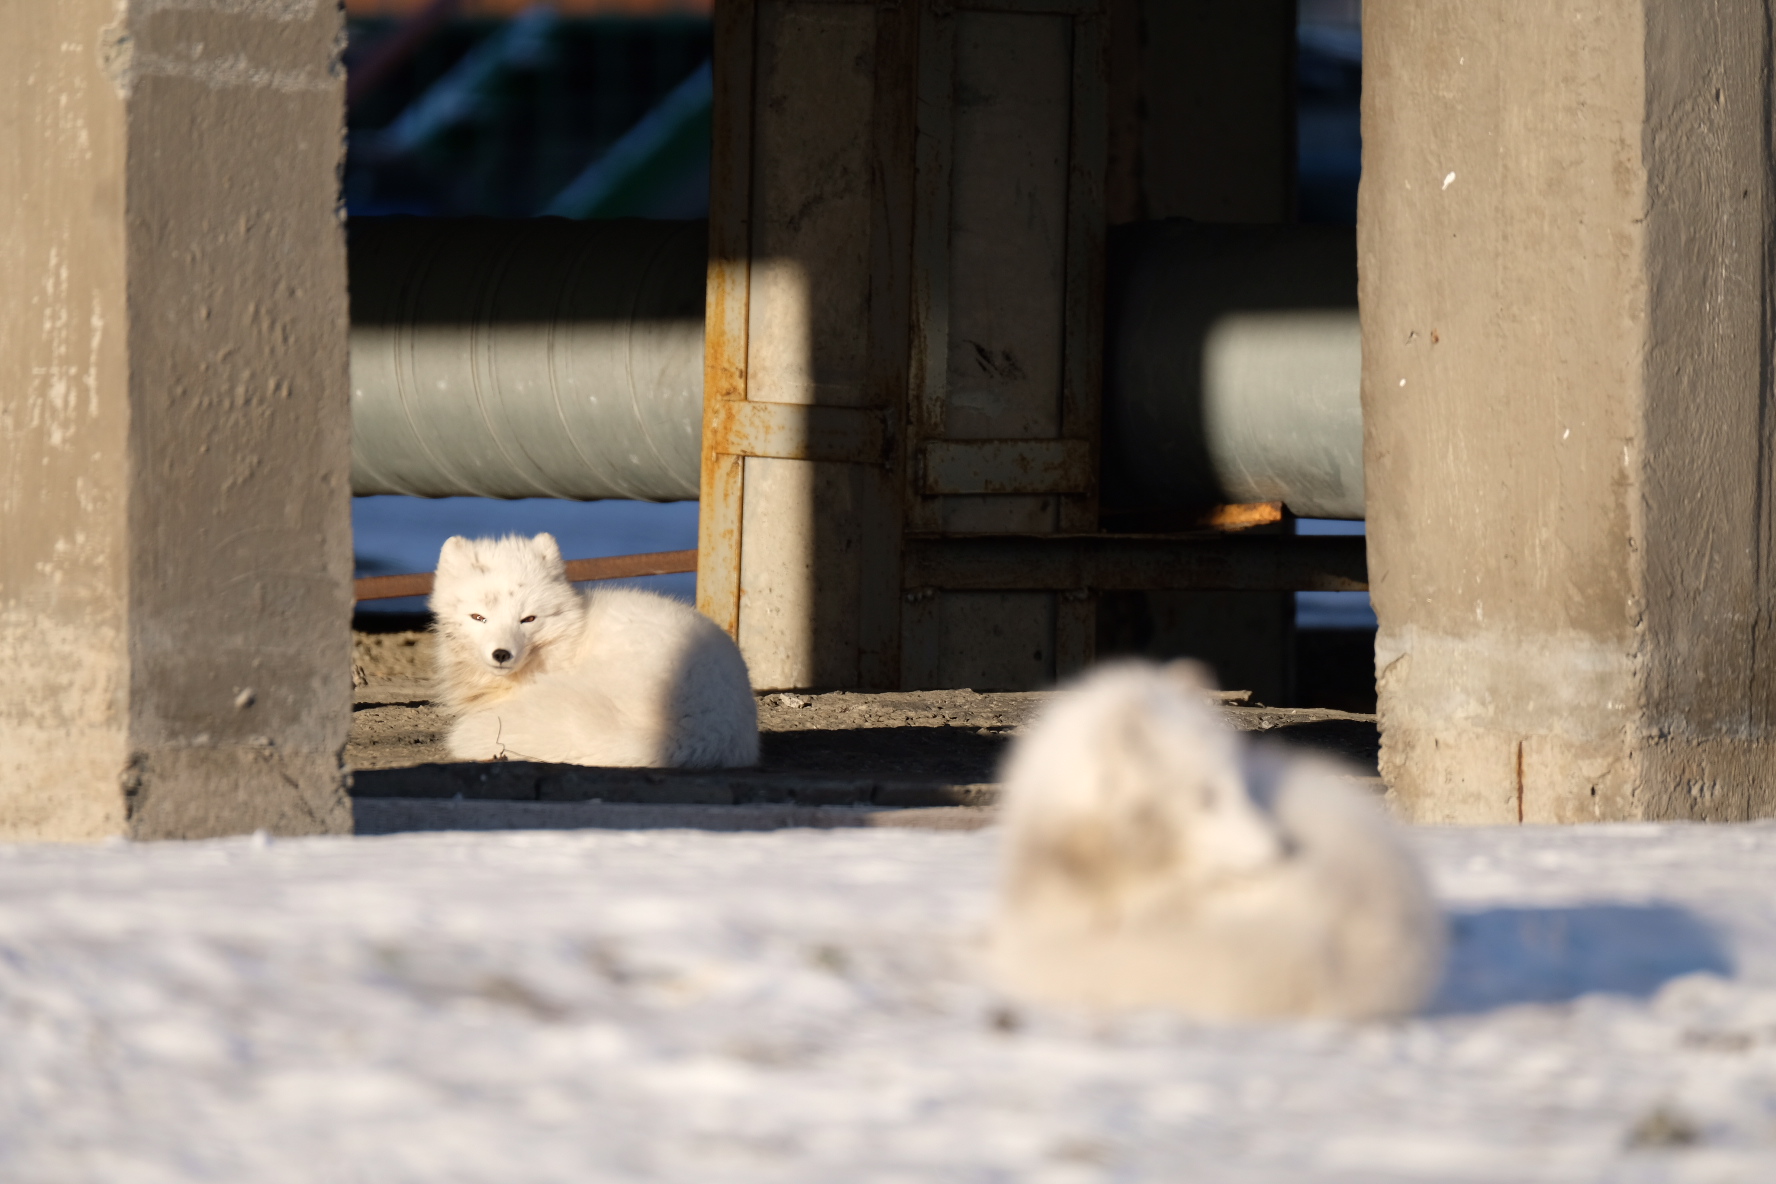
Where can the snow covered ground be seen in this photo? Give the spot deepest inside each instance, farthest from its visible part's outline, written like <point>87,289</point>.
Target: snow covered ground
<point>801,1006</point>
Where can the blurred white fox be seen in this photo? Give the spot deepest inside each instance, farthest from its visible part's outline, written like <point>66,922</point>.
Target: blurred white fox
<point>1152,858</point>
<point>534,670</point>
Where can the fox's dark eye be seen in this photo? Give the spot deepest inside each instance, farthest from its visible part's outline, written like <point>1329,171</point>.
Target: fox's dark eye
<point>477,617</point>
<point>528,620</point>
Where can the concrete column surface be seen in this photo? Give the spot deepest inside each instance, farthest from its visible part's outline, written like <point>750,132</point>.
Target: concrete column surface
<point>175,545</point>
<point>1565,246</point>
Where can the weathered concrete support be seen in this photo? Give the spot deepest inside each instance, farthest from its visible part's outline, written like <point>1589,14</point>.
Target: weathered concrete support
<point>175,553</point>
<point>1566,300</point>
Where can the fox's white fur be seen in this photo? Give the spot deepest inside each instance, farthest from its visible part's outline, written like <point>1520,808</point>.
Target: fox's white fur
<point>1153,858</point>
<point>532,669</point>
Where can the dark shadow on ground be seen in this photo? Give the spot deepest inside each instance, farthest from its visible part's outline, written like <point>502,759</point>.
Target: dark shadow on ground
<point>960,754</point>
<point>395,815</point>
<point>1505,956</point>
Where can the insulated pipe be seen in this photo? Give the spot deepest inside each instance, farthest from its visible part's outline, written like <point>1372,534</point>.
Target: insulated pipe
<point>527,358</point>
<point>1233,365</point>
<point>552,358</point>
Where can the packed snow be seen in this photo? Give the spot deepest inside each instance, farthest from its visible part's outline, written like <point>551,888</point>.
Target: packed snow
<point>804,1006</point>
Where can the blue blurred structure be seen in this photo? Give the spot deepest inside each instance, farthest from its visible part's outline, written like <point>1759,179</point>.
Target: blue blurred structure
<point>497,117</point>
<point>465,91</point>
<point>1329,147</point>
<point>1329,137</point>
<point>650,168</point>
<point>1332,610</point>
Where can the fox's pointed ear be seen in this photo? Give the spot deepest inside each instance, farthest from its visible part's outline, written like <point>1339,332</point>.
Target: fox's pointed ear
<point>455,555</point>
<point>546,547</point>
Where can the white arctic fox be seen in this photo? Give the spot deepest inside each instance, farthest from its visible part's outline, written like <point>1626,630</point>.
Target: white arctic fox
<point>1153,858</point>
<point>534,670</point>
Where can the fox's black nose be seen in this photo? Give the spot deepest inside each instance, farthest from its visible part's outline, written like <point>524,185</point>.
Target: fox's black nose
<point>502,655</point>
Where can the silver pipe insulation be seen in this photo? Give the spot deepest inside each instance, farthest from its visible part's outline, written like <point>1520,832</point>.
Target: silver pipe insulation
<point>527,358</point>
<point>1233,368</point>
<point>552,358</point>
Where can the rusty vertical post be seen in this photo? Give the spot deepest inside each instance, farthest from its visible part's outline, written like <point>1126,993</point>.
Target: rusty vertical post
<point>888,350</point>
<point>724,373</point>
<point>806,339</point>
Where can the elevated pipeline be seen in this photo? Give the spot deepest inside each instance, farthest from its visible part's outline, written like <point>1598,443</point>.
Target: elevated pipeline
<point>554,358</point>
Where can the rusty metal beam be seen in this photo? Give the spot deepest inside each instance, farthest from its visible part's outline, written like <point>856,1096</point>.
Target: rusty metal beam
<point>1034,563</point>
<point>726,309</point>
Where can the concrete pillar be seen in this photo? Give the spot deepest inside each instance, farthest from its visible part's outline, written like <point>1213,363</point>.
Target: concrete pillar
<point>1202,126</point>
<point>1566,290</point>
<point>175,552</point>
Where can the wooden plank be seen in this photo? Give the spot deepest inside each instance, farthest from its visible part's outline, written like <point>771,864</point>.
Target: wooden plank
<point>1007,467</point>
<point>392,587</point>
<point>808,430</point>
<point>1008,295</point>
<point>995,641</point>
<point>1331,563</point>
<point>1076,631</point>
<point>1007,347</point>
<point>1082,378</point>
<point>718,541</point>
<point>730,207</point>
<point>814,90</point>
<point>893,113</point>
<point>1032,7</point>
<point>726,309</point>
<point>610,567</point>
<point>932,76</point>
<point>921,647</point>
<point>929,353</point>
<point>624,567</point>
<point>1123,201</point>
<point>878,591</point>
<point>799,580</point>
<point>796,431</point>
